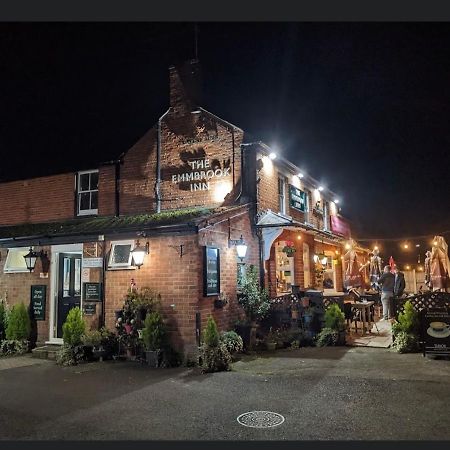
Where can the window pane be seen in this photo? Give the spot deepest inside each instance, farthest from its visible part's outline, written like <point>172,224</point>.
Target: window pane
<point>77,282</point>
<point>84,182</point>
<point>66,277</point>
<point>84,201</point>
<point>121,254</point>
<point>94,181</point>
<point>94,200</point>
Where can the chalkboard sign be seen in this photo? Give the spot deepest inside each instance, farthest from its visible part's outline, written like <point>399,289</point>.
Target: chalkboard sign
<point>436,331</point>
<point>89,309</point>
<point>38,301</point>
<point>92,292</point>
<point>211,271</point>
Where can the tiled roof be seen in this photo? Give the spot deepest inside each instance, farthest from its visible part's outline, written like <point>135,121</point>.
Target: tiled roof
<point>105,225</point>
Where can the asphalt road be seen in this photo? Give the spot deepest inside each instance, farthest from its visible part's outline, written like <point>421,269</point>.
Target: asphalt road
<point>323,394</point>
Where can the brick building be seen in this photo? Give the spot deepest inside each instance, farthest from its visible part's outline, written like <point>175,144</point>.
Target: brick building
<point>187,187</point>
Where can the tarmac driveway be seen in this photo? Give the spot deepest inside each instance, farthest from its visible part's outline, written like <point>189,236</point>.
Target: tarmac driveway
<point>323,393</point>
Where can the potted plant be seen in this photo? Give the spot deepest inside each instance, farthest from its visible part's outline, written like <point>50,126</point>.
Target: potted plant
<point>271,340</point>
<point>335,320</point>
<point>289,249</point>
<point>153,335</point>
<point>255,302</point>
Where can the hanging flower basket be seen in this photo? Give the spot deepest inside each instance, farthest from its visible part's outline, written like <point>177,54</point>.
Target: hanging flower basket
<point>289,248</point>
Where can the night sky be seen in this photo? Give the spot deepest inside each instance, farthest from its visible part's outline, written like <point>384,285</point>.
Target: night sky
<point>362,107</point>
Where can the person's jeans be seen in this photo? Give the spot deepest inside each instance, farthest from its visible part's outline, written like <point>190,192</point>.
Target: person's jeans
<point>386,300</point>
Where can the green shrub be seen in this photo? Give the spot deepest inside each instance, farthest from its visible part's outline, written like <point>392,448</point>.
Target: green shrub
<point>154,332</point>
<point>406,342</point>
<point>92,338</point>
<point>214,359</point>
<point>214,354</point>
<point>210,334</point>
<point>328,336</point>
<point>69,355</point>
<point>233,342</point>
<point>408,320</point>
<point>13,347</point>
<point>254,300</point>
<point>19,324</point>
<point>73,328</point>
<point>334,318</point>
<point>3,320</point>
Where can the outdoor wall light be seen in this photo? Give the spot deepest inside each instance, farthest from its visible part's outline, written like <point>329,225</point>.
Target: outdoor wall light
<point>320,188</point>
<point>241,247</point>
<point>320,258</point>
<point>272,155</point>
<point>30,259</point>
<point>336,200</point>
<point>139,253</point>
<point>300,175</point>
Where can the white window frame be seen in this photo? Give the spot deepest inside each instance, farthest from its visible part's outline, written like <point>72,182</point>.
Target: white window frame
<point>6,269</point>
<point>325,215</point>
<point>118,266</point>
<point>282,195</point>
<point>85,212</point>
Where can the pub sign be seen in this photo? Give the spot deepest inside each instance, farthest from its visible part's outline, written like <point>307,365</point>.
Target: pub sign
<point>297,198</point>
<point>211,271</point>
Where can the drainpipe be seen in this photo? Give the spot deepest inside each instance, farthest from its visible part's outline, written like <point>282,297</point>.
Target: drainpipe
<point>117,184</point>
<point>158,165</point>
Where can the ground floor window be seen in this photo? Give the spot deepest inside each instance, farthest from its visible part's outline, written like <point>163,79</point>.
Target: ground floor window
<point>284,269</point>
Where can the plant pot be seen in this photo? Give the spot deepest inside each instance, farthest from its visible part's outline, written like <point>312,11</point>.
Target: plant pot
<point>153,358</point>
<point>271,346</point>
<point>341,338</point>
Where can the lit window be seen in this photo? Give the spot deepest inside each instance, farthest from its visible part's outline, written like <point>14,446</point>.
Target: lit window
<point>87,192</point>
<point>15,261</point>
<point>120,256</point>
<point>282,194</point>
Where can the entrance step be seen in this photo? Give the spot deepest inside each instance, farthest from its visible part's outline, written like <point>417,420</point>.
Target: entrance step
<point>46,351</point>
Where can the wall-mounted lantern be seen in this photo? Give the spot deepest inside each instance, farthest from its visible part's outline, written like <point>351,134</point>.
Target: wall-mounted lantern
<point>241,247</point>
<point>31,258</point>
<point>320,258</point>
<point>139,253</point>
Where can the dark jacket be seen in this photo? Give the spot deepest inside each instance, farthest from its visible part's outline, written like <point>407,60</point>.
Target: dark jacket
<point>387,281</point>
<point>399,285</point>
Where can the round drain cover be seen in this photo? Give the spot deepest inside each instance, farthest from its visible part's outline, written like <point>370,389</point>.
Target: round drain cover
<point>260,419</point>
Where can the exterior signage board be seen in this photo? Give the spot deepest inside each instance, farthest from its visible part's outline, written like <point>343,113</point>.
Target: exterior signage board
<point>92,292</point>
<point>297,198</point>
<point>211,271</point>
<point>435,325</point>
<point>38,301</point>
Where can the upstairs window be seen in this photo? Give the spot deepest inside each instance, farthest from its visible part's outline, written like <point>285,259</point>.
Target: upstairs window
<point>87,195</point>
<point>282,194</point>
<point>15,261</point>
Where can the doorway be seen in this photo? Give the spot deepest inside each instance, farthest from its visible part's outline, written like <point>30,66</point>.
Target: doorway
<point>69,287</point>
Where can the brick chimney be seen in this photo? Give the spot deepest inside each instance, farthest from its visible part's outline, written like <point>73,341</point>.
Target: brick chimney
<point>185,87</point>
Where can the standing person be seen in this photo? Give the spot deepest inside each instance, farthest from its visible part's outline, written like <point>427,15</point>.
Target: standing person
<point>399,283</point>
<point>387,281</point>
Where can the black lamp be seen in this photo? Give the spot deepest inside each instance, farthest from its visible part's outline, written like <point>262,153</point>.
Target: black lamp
<point>139,253</point>
<point>30,259</point>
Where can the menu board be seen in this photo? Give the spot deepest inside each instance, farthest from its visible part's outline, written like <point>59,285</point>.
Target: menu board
<point>92,292</point>
<point>297,198</point>
<point>436,331</point>
<point>89,309</point>
<point>211,271</point>
<point>38,301</point>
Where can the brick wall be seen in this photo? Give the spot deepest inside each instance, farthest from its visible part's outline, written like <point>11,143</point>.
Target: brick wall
<point>180,280</point>
<point>16,288</point>
<point>43,199</point>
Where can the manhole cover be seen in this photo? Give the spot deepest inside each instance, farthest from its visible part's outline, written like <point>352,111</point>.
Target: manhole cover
<point>260,419</point>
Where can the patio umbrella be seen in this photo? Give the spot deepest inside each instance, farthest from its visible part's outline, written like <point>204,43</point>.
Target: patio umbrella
<point>440,265</point>
<point>391,264</point>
